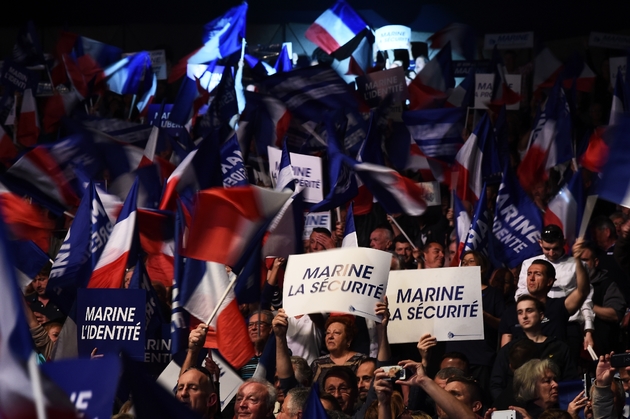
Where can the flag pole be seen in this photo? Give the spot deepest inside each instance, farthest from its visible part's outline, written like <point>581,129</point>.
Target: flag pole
<point>403,232</point>
<point>36,386</point>
<point>243,43</point>
<point>223,297</point>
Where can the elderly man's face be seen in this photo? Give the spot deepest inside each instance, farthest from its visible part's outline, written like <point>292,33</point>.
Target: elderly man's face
<point>193,389</point>
<point>379,240</point>
<point>251,401</point>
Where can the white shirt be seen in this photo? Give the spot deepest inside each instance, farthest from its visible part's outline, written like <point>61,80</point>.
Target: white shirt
<point>566,281</point>
<point>303,338</point>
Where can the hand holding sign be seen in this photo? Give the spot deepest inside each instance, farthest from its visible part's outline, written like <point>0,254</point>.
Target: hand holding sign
<point>280,323</point>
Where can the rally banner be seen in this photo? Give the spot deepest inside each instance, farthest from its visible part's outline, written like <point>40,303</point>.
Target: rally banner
<point>316,219</point>
<point>444,302</point>
<point>617,64</point>
<point>347,280</point>
<point>111,320</point>
<point>158,115</point>
<point>15,77</point>
<point>307,171</point>
<point>90,384</point>
<point>483,89</point>
<point>517,40</point>
<point>157,350</point>
<point>393,37</point>
<point>376,86</point>
<point>609,40</point>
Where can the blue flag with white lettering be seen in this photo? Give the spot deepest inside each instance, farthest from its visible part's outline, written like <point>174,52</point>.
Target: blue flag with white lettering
<point>232,165</point>
<point>80,250</point>
<point>478,237</point>
<point>517,224</point>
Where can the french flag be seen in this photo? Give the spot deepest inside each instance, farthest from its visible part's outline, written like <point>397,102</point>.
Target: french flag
<point>110,269</point>
<point>224,221</point>
<point>463,96</point>
<point>619,99</point>
<point>232,165</point>
<point>469,162</point>
<point>566,208</point>
<point>550,142</point>
<point>156,230</point>
<point>462,226</point>
<point>432,85</point>
<point>28,121</point>
<point>80,251</point>
<point>272,119</point>
<point>462,38</point>
<point>596,154</point>
<point>546,69</point>
<point>501,92</point>
<point>350,232</point>
<point>437,131</point>
<point>615,183</point>
<point>285,173</point>
<point>284,63</point>
<point>24,392</point>
<point>29,260</point>
<point>335,27</point>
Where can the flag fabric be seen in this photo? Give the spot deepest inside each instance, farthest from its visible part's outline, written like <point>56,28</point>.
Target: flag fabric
<point>615,183</point>
<point>461,37</point>
<point>431,86</point>
<point>577,73</point>
<point>232,165</point>
<point>270,119</point>
<point>118,254</point>
<point>478,237</point>
<point>223,221</point>
<point>437,131</point>
<point>335,27</point>
<point>350,232</point>
<point>567,207</point>
<point>463,95</point>
<point>266,368</point>
<point>546,69</point>
<point>480,148</point>
<point>284,234</point>
<point>313,409</point>
<point>222,36</point>
<point>8,151</point>
<point>133,75</point>
<point>355,58</point>
<point>502,94</point>
<point>28,120</point>
<point>596,154</point>
<point>57,107</point>
<point>550,141</point>
<point>81,249</point>
<point>192,94</point>
<point>283,63</point>
<point>222,114</point>
<point>29,261</point>
<point>618,106</point>
<point>285,171</point>
<point>462,226</point>
<point>180,319</point>
<point>517,224</point>
<point>157,240</point>
<point>22,387</point>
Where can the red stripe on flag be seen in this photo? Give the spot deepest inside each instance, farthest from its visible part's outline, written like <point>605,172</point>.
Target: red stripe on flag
<point>320,37</point>
<point>110,275</point>
<point>232,336</point>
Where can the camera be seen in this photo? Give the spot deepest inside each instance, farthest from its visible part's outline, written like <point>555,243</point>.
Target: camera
<point>620,360</point>
<point>395,372</point>
<point>504,414</point>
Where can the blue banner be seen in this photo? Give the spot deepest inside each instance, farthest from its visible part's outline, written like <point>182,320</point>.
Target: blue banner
<point>111,320</point>
<point>90,384</point>
<point>16,77</point>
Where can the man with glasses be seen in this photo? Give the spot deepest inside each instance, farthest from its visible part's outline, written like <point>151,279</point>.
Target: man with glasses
<point>581,324</point>
<point>259,328</point>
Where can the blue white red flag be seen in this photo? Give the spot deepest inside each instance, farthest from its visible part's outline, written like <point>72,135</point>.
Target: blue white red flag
<point>546,69</point>
<point>461,37</point>
<point>550,141</point>
<point>476,160</point>
<point>567,207</point>
<point>29,260</point>
<point>615,183</point>
<point>131,75</point>
<point>285,171</point>
<point>180,319</point>
<point>576,72</point>
<point>284,63</point>
<point>222,36</point>
<point>517,224</point>
<point>437,131</point>
<point>350,232</point>
<point>619,101</point>
<point>463,95</point>
<point>80,251</point>
<point>462,226</point>
<point>118,252</point>
<point>335,27</point>
<point>157,240</point>
<point>502,94</point>
<point>232,165</point>
<point>28,122</point>
<point>431,86</point>
<point>20,392</point>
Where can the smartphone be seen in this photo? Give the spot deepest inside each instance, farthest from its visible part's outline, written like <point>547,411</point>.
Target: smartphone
<point>620,360</point>
<point>504,414</point>
<point>395,372</point>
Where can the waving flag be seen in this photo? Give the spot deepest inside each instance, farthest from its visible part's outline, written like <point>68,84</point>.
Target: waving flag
<point>20,392</point>
<point>133,75</point>
<point>115,257</point>
<point>517,224</point>
<point>476,160</point>
<point>431,86</point>
<point>232,166</point>
<point>462,226</point>
<point>550,141</point>
<point>463,95</point>
<point>615,183</point>
<point>350,232</point>
<point>546,69</point>
<point>335,27</point>
<point>157,239</point>
<point>80,251</point>
<point>284,63</point>
<point>478,237</point>
<point>28,121</point>
<point>180,319</point>
<point>576,72</point>
<point>619,99</point>
<point>224,221</point>
<point>438,132</point>
<point>461,37</point>
<point>8,151</point>
<point>501,92</point>
<point>567,207</point>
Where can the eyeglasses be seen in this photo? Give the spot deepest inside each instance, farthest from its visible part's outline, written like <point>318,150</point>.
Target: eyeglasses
<point>256,325</point>
<point>340,389</point>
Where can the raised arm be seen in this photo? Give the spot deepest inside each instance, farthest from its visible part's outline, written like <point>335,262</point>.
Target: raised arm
<point>577,297</point>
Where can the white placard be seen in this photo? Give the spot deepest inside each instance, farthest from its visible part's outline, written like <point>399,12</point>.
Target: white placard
<point>515,40</point>
<point>445,302</point>
<point>431,193</point>
<point>393,37</point>
<point>615,64</point>
<point>306,169</point>
<point>316,219</point>
<point>349,280</point>
<point>609,40</point>
<point>229,380</point>
<point>483,89</point>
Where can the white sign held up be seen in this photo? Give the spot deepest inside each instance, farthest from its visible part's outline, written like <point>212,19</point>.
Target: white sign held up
<point>348,280</point>
<point>316,219</point>
<point>516,40</point>
<point>609,40</point>
<point>307,170</point>
<point>393,37</point>
<point>483,89</point>
<point>444,302</point>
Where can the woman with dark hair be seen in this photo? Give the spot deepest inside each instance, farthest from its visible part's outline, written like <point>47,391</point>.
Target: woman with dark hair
<point>340,330</point>
<point>503,279</point>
